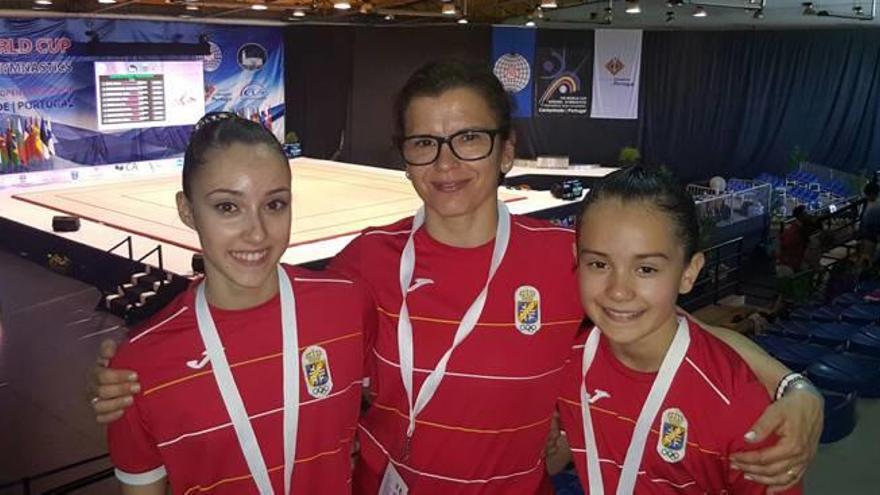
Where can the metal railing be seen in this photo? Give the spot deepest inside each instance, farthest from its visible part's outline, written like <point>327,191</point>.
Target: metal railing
<point>721,273</point>
<point>127,242</point>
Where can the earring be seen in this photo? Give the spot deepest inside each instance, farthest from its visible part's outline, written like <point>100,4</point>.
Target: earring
<point>408,175</point>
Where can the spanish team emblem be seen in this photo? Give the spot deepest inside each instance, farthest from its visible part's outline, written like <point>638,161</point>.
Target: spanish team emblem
<point>527,310</point>
<point>672,443</point>
<point>316,371</point>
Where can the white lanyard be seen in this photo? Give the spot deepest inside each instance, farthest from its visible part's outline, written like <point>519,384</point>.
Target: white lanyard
<point>467,324</point>
<point>232,398</point>
<point>655,399</point>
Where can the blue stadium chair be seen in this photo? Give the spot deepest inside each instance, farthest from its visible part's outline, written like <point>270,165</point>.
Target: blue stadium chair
<point>804,313</point>
<point>840,416</point>
<point>847,373</point>
<point>866,342</point>
<point>832,334</point>
<point>848,299</point>
<point>867,286</point>
<point>825,314</point>
<point>567,483</point>
<point>792,329</point>
<point>801,355</point>
<point>774,344</point>
<point>861,314</point>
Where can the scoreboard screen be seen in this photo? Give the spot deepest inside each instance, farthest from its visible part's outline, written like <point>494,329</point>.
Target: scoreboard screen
<point>138,94</point>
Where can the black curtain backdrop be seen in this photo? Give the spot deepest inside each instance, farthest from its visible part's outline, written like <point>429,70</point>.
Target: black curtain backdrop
<point>318,86</point>
<point>384,59</point>
<point>712,103</point>
<point>737,103</point>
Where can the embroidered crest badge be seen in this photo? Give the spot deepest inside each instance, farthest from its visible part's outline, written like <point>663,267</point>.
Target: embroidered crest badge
<point>527,310</point>
<point>672,444</point>
<point>316,371</point>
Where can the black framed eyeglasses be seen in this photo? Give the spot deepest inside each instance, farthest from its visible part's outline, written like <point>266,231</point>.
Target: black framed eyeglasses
<point>468,145</point>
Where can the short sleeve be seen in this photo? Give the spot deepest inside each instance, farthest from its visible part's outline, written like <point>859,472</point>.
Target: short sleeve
<point>133,449</point>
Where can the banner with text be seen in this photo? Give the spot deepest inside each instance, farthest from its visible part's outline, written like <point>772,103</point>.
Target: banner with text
<point>563,63</point>
<point>62,109</point>
<point>616,70</point>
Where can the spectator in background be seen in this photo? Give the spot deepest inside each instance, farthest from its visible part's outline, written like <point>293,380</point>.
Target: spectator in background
<point>793,242</point>
<point>869,226</point>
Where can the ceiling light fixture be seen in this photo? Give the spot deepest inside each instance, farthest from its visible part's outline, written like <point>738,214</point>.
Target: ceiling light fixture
<point>549,4</point>
<point>106,1</point>
<point>633,7</point>
<point>192,7</point>
<point>389,17</point>
<point>366,8</point>
<point>463,21</point>
<point>700,12</point>
<point>530,23</point>
<point>299,13</point>
<point>43,2</point>
<point>341,5</point>
<point>259,6</point>
<point>448,9</point>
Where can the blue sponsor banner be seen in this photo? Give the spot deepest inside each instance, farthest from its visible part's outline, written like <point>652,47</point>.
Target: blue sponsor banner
<point>513,55</point>
<point>48,101</point>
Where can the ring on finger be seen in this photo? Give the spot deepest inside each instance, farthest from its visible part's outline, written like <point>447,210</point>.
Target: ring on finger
<point>792,473</point>
<point>94,400</point>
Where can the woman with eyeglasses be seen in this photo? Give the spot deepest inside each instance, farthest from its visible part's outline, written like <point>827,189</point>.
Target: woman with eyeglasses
<point>477,313</point>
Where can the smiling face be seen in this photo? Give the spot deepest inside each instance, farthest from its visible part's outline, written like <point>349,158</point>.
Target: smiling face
<point>450,187</point>
<point>631,270</point>
<point>239,205</point>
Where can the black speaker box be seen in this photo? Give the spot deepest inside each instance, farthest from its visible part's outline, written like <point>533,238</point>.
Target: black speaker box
<point>62,223</point>
<point>198,263</point>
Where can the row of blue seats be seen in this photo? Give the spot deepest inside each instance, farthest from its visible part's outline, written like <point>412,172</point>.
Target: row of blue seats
<point>838,347</point>
<point>807,181</point>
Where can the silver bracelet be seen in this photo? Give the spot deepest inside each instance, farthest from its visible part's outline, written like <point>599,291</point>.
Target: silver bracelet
<point>795,381</point>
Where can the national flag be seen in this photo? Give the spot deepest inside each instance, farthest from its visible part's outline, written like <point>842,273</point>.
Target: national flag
<point>40,151</point>
<point>21,140</point>
<point>268,119</point>
<point>43,136</point>
<point>12,145</point>
<point>50,138</point>
<point>4,156</point>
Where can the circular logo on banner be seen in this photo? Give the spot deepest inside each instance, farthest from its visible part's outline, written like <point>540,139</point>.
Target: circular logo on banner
<point>513,70</point>
<point>253,91</point>
<point>252,56</point>
<point>213,59</point>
